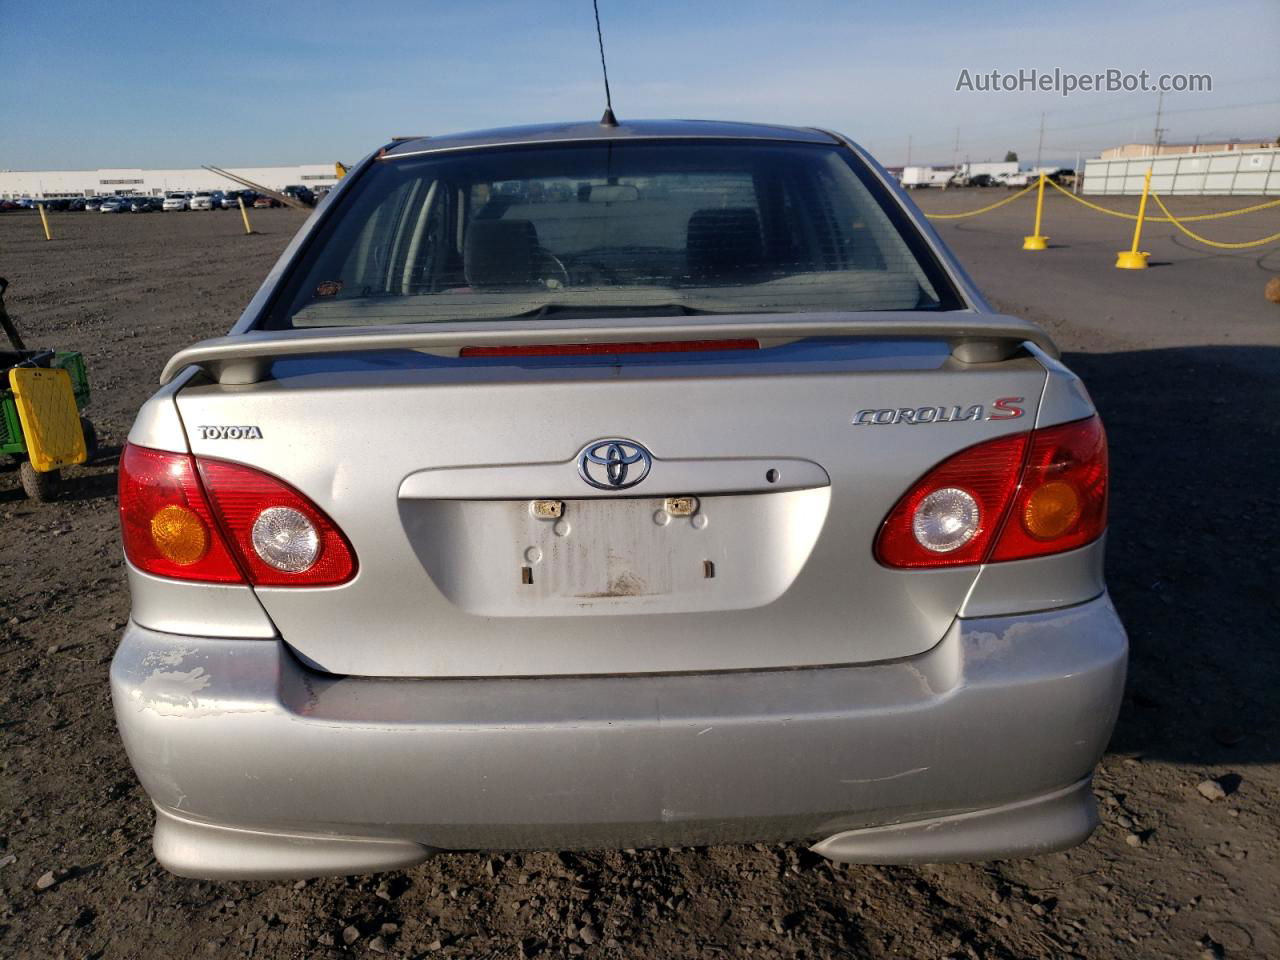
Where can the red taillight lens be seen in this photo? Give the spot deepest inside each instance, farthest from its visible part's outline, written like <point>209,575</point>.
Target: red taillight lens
<point>165,520</point>
<point>219,522</point>
<point>1015,497</point>
<point>244,498</point>
<point>1061,503</point>
<point>987,473</point>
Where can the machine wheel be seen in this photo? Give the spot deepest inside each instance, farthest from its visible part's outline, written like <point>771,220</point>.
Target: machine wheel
<point>40,487</point>
<point>90,439</point>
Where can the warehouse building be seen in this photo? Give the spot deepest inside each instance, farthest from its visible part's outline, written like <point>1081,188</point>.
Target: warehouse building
<point>45,184</point>
<point>1236,173</point>
<point>1129,151</point>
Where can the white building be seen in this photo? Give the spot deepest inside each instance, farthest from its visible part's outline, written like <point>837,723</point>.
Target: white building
<point>1129,151</point>
<point>1240,173</point>
<point>99,183</point>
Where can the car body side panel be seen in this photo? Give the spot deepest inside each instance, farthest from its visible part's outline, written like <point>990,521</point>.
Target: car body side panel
<point>179,606</point>
<point>158,424</point>
<point>1065,397</point>
<point>1041,583</point>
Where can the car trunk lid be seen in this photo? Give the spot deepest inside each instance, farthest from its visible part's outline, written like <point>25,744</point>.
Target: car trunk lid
<point>485,549</point>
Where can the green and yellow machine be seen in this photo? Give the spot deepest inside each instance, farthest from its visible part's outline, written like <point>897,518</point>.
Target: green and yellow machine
<point>41,398</point>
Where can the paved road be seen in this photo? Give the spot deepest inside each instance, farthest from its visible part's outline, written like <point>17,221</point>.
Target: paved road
<point>1191,295</point>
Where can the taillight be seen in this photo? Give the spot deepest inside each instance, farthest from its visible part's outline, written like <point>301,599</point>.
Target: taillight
<point>282,538</point>
<point>165,520</point>
<point>933,510</point>
<point>190,518</point>
<point>1061,503</point>
<point>1015,497</point>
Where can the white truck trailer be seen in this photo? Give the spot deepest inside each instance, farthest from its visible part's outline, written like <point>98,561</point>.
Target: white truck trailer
<point>916,177</point>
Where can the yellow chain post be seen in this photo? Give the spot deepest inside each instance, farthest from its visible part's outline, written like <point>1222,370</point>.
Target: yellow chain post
<point>44,221</point>
<point>1133,259</point>
<point>244,215</point>
<point>1036,241</point>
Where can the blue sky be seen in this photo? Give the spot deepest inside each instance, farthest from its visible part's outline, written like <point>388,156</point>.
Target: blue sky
<point>163,84</point>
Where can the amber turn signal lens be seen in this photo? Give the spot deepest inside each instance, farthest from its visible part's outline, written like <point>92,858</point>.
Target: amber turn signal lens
<point>179,534</point>
<point>1051,510</point>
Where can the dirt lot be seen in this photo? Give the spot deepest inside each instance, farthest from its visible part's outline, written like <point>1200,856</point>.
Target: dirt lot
<point>1183,360</point>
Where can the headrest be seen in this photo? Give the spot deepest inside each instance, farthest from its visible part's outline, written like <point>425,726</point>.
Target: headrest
<point>724,243</point>
<point>500,253</point>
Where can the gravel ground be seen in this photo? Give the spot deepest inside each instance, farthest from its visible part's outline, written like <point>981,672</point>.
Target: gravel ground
<point>1183,362</point>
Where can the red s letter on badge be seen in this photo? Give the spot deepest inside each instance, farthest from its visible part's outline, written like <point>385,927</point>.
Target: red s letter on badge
<point>1005,409</point>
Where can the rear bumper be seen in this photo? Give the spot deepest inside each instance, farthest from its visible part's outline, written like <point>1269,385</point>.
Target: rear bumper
<point>979,749</point>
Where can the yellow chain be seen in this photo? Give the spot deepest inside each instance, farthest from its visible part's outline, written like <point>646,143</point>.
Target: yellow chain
<point>1212,243</point>
<point>1229,213</point>
<point>974,213</point>
<point>1167,218</point>
<point>1093,206</point>
<point>1170,218</point>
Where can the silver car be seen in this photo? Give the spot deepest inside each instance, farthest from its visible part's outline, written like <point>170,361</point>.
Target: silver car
<point>589,486</point>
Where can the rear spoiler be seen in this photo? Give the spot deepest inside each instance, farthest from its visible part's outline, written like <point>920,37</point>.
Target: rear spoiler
<point>247,357</point>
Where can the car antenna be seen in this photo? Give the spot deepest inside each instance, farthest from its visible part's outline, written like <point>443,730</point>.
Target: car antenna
<point>608,120</point>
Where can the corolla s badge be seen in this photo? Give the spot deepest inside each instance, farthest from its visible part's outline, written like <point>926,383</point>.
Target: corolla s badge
<point>614,464</point>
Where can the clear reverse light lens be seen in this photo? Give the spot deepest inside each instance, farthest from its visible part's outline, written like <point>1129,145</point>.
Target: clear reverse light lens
<point>285,539</point>
<point>945,520</point>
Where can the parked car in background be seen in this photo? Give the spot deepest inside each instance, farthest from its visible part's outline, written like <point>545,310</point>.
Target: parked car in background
<point>115,205</point>
<point>203,200</point>
<point>7,204</point>
<point>229,199</point>
<point>76,203</point>
<point>1015,180</point>
<point>176,201</point>
<point>93,203</point>
<point>748,519</point>
<point>263,200</point>
<point>300,193</point>
<point>142,204</point>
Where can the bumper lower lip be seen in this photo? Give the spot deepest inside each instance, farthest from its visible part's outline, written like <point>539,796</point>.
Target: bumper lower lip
<point>980,748</point>
<point>1052,821</point>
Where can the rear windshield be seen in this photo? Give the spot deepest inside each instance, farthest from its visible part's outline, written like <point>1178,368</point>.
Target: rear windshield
<point>598,230</point>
